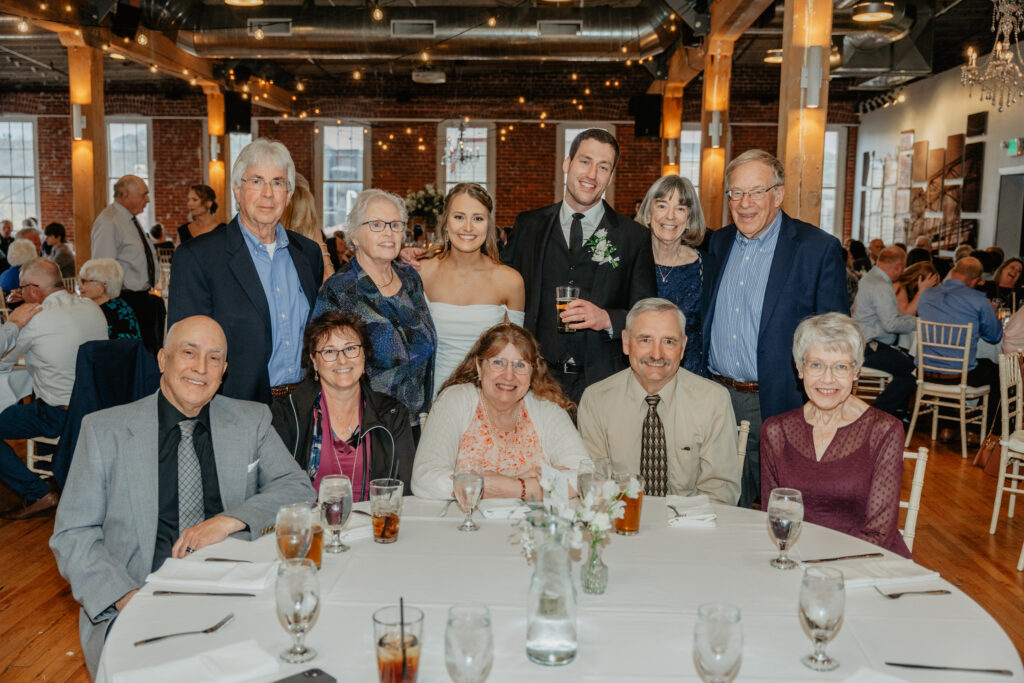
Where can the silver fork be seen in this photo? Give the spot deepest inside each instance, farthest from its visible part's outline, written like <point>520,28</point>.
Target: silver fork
<point>673,509</point>
<point>444,513</point>
<point>893,596</point>
<point>213,629</point>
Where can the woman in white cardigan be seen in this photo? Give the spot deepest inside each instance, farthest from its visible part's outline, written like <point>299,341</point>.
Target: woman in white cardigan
<point>501,414</point>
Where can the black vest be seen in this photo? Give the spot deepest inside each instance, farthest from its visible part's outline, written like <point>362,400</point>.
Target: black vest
<point>560,269</point>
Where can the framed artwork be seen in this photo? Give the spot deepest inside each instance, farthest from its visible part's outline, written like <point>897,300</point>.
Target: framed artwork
<point>903,164</point>
<point>954,156</point>
<point>906,140</point>
<point>877,172</point>
<point>951,205</point>
<point>974,159</point>
<point>889,171</point>
<point>917,202</point>
<point>977,123</point>
<point>919,166</point>
<point>933,193</point>
<point>865,169</point>
<point>903,200</point>
<point>968,231</point>
<point>902,228</point>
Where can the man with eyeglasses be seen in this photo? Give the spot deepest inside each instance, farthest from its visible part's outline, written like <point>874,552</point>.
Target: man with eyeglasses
<point>673,427</point>
<point>773,272</point>
<point>258,280</point>
<point>49,342</point>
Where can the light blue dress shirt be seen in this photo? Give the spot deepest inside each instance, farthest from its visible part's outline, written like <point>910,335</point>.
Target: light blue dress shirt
<point>953,302</point>
<point>739,302</point>
<point>877,311</point>
<point>288,306</point>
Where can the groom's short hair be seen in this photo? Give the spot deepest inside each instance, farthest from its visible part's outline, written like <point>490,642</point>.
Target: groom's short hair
<point>599,134</point>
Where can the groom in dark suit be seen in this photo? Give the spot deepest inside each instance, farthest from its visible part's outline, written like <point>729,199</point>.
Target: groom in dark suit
<point>582,241</point>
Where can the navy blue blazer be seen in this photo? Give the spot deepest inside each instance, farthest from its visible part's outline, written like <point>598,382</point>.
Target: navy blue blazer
<point>214,275</point>
<point>807,278</point>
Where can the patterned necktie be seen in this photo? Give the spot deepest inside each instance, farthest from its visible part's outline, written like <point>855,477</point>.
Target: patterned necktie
<point>653,465</point>
<point>150,266</point>
<point>576,234</point>
<point>190,479</point>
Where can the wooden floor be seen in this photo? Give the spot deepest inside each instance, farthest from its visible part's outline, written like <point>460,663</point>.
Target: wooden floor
<point>39,618</point>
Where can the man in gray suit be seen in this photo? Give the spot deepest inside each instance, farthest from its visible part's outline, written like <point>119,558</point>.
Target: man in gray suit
<point>165,476</point>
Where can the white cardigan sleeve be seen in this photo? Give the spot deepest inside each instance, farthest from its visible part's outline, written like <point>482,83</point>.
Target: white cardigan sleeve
<point>439,442</point>
<point>559,438</point>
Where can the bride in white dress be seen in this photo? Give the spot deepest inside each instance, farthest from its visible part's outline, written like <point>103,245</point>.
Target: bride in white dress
<point>468,289</point>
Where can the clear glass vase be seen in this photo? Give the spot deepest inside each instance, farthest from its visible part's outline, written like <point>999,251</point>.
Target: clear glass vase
<point>594,572</point>
<point>551,604</point>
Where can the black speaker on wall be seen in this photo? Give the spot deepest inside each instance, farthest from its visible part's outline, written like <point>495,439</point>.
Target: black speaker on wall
<point>646,111</point>
<point>237,113</point>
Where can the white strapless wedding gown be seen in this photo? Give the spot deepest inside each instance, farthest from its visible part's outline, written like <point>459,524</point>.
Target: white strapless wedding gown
<point>458,328</point>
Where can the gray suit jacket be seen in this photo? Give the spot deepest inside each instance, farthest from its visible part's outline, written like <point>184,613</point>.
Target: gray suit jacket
<point>105,532</point>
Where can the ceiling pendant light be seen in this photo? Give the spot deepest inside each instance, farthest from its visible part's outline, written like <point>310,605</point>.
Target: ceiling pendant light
<point>773,56</point>
<point>873,11</point>
<point>243,3</point>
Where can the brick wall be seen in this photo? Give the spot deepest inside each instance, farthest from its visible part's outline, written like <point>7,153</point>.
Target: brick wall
<point>177,164</point>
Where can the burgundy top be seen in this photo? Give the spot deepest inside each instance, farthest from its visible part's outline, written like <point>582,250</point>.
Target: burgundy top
<point>338,456</point>
<point>854,488</point>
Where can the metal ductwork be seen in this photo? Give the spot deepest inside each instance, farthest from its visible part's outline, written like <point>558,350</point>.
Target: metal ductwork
<point>887,63</point>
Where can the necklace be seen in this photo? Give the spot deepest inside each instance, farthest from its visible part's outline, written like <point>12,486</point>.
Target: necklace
<point>663,274</point>
<point>384,285</point>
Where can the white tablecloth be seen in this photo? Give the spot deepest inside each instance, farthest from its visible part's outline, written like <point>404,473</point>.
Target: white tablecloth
<point>640,630</point>
<point>14,386</point>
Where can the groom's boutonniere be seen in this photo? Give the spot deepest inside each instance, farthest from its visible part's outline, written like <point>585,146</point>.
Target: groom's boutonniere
<point>601,248</point>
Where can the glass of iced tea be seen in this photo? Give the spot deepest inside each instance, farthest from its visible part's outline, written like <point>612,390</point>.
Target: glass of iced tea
<point>563,295</point>
<point>629,523</point>
<point>294,530</point>
<point>386,509</point>
<point>316,545</point>
<point>398,659</point>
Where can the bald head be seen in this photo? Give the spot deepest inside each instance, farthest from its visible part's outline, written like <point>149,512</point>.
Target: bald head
<point>130,191</point>
<point>192,363</point>
<point>874,248</point>
<point>196,326</point>
<point>968,270</point>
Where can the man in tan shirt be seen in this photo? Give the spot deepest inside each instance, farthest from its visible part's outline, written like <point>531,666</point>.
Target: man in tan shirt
<point>695,414</point>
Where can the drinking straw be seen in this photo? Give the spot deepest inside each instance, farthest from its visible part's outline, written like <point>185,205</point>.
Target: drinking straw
<point>401,630</point>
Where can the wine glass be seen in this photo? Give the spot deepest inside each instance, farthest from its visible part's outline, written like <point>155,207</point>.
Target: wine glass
<point>469,487</point>
<point>298,605</point>
<point>294,530</point>
<point>336,501</point>
<point>785,515</point>
<point>822,599</point>
<point>717,642</point>
<point>469,643</point>
<point>585,476</point>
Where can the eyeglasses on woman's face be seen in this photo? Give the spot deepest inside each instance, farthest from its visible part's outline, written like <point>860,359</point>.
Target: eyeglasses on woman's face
<point>330,355</point>
<point>496,365</point>
<point>840,370</point>
<point>378,225</point>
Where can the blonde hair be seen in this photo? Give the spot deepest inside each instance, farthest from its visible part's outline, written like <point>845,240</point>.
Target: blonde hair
<point>477,192</point>
<point>300,215</point>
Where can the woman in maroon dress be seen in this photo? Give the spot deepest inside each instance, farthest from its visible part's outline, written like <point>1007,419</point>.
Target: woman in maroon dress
<point>843,455</point>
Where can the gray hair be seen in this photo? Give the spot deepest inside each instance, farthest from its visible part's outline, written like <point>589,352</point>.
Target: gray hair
<point>358,213</point>
<point>105,270</point>
<point>664,187</point>
<point>778,170</point>
<point>832,332</point>
<point>125,182</point>
<point>21,252</point>
<point>656,305</point>
<point>43,265</point>
<point>263,151</point>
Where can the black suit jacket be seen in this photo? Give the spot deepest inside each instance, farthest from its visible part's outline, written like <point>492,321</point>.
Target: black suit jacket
<point>214,275</point>
<point>615,289</point>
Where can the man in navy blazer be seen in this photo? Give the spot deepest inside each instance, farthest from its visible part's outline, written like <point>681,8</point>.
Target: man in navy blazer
<point>258,280</point>
<point>774,271</point>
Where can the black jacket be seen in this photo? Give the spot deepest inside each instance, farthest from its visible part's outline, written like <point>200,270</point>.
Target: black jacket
<point>382,415</point>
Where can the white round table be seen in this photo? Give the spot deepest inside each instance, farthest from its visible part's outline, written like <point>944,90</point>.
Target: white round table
<point>641,629</point>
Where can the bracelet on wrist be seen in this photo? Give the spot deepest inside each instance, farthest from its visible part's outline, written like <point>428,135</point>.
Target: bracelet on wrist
<point>522,489</point>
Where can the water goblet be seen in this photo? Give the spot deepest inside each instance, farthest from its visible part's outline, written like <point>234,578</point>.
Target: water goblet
<point>468,643</point>
<point>585,476</point>
<point>822,600</point>
<point>294,530</point>
<point>298,605</point>
<point>717,642</point>
<point>468,487</point>
<point>336,501</point>
<point>785,516</point>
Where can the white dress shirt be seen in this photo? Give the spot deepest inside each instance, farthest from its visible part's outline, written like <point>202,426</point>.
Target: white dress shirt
<point>591,219</point>
<point>114,236</point>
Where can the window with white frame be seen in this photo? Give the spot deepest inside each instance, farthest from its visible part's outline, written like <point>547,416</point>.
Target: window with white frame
<point>689,156</point>
<point>18,188</point>
<point>236,143</point>
<point>832,177</point>
<point>567,133</point>
<point>128,153</point>
<point>466,156</point>
<point>344,173</point>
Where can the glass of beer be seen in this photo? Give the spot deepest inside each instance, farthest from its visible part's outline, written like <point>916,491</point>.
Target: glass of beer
<point>294,530</point>
<point>316,544</point>
<point>563,295</point>
<point>629,523</point>
<point>386,509</point>
<point>397,635</point>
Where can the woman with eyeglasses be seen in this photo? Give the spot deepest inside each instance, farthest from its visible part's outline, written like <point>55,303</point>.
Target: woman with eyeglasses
<point>334,422</point>
<point>101,279</point>
<point>843,455</point>
<point>388,297</point>
<point>500,414</point>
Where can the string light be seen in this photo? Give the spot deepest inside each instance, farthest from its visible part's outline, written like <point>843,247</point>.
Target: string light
<point>616,84</point>
<point>152,68</point>
<point>258,33</point>
<point>365,131</point>
<point>317,110</point>
<point>587,91</point>
<point>68,8</point>
<point>607,84</point>
<point>338,122</point>
<point>357,75</point>
<point>542,124</point>
<point>118,56</point>
<point>543,115</point>
<point>629,62</point>
<point>142,39</point>
<point>511,127</point>
<point>522,100</point>
<point>42,6</point>
<point>377,14</point>
<point>408,131</point>
<point>316,131</point>
<point>574,76</point>
<point>424,56</point>
<point>625,49</point>
<point>672,28</point>
<point>294,98</point>
<point>580,107</point>
<point>503,138</point>
<point>422,148</point>
<point>300,86</point>
<point>285,115</point>
<point>245,88</point>
<point>384,147</point>
<point>492,21</point>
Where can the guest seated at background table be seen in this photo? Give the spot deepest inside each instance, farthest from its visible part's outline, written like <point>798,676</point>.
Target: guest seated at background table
<point>909,285</point>
<point>100,280</point>
<point>210,467</point>
<point>654,401</point>
<point>163,245</point>
<point>1004,288</point>
<point>918,255</point>
<point>20,252</point>
<point>388,296</point>
<point>500,414</point>
<point>334,422</point>
<point>843,455</point>
<point>60,252</point>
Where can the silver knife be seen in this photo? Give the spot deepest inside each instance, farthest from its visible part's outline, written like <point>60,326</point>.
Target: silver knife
<point>228,595</point>
<point>224,559</point>
<point>842,557</point>
<point>1000,672</point>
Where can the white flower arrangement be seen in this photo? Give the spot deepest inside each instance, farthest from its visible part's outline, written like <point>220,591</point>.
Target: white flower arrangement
<point>601,249</point>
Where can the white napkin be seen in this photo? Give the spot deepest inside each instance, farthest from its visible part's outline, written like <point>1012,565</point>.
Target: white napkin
<point>867,573</point>
<point>865,675</point>
<point>234,575</point>
<point>237,662</point>
<point>694,511</point>
<point>504,508</point>
<point>359,527</point>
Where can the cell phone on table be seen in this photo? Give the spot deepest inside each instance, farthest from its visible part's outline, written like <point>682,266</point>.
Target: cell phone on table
<point>309,676</point>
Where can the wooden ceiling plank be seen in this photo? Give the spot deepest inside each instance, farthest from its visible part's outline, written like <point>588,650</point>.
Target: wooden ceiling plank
<point>730,18</point>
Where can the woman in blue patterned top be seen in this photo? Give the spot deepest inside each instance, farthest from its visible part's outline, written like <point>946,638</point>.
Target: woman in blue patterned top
<point>672,211</point>
<point>100,279</point>
<point>388,296</point>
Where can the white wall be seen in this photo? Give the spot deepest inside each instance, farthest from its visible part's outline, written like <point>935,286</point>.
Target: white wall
<point>936,108</point>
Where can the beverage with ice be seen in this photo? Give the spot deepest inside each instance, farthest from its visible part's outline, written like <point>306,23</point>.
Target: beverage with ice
<point>785,517</point>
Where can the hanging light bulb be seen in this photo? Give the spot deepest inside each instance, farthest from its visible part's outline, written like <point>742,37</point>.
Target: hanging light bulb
<point>23,25</point>
<point>258,33</point>
<point>152,68</point>
<point>377,14</point>
<point>142,39</point>
<point>492,21</point>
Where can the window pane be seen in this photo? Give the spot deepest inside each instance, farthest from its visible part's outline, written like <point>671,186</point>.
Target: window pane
<point>689,156</point>
<point>128,154</point>
<point>828,209</point>
<point>17,171</point>
<point>344,156</point>
<point>829,162</point>
<point>473,145</point>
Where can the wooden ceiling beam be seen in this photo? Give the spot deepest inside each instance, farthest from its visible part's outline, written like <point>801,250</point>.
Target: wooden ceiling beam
<point>730,18</point>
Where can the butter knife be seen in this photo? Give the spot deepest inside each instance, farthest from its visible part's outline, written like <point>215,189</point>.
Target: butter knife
<point>842,557</point>
<point>228,595</point>
<point>224,559</point>
<point>931,667</point>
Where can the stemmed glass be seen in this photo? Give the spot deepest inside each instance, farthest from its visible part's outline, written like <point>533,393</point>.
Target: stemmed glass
<point>336,501</point>
<point>469,643</point>
<point>469,487</point>
<point>298,605</point>
<point>822,600</point>
<point>294,530</point>
<point>585,476</point>
<point>785,516</point>
<point>717,642</point>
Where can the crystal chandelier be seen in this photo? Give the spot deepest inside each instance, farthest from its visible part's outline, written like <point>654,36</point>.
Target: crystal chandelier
<point>460,152</point>
<point>1000,81</point>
